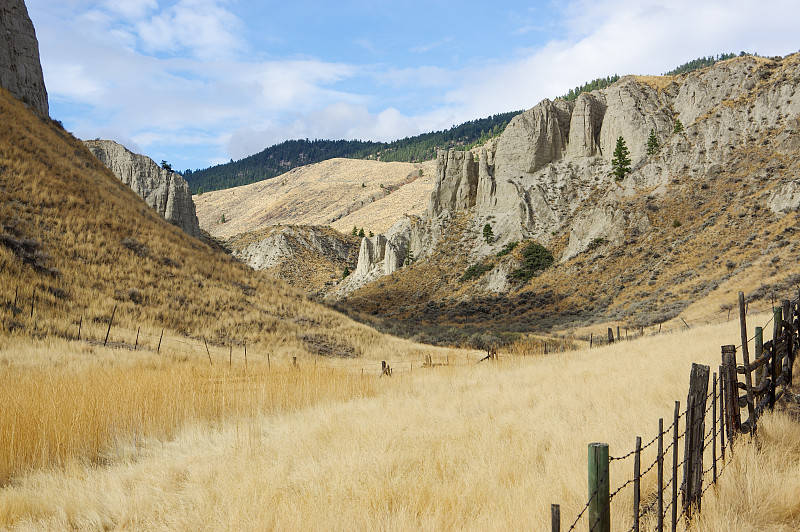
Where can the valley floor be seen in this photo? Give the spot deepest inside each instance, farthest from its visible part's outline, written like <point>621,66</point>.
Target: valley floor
<point>484,446</point>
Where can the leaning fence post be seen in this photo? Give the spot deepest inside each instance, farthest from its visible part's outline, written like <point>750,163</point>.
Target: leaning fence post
<point>159,341</point>
<point>637,493</point>
<point>555,518</point>
<point>599,503</point>
<point>109,325</point>
<point>748,383</point>
<point>136,345</point>
<point>207,351</point>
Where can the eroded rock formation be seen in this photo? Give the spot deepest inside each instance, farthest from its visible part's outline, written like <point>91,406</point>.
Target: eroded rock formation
<point>550,170</point>
<point>20,69</point>
<point>165,191</point>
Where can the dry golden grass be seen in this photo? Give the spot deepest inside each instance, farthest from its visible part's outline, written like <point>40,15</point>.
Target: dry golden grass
<point>85,244</point>
<point>67,403</point>
<point>475,447</point>
<point>326,193</point>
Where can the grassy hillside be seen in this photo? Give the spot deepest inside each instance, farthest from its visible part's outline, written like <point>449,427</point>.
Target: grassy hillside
<point>281,158</point>
<point>339,192</point>
<point>75,243</point>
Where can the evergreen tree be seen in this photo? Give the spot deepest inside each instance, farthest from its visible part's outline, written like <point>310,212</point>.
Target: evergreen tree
<point>409,257</point>
<point>361,233</point>
<point>346,272</point>
<point>355,231</point>
<point>621,163</point>
<point>678,127</point>
<point>652,143</point>
<point>488,234</point>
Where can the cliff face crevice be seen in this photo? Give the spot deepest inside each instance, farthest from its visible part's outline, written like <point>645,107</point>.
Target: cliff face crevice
<point>165,191</point>
<point>20,69</point>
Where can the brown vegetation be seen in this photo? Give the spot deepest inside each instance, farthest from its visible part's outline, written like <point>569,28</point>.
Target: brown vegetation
<point>75,244</point>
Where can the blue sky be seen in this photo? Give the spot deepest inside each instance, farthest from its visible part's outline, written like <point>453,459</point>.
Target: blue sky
<point>198,82</point>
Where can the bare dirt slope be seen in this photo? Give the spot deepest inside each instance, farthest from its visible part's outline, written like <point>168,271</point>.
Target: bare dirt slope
<point>341,193</point>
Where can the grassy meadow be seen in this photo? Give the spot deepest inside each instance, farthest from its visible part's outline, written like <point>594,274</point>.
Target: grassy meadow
<point>467,446</point>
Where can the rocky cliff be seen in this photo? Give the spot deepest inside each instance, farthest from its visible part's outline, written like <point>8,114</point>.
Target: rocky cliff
<point>20,69</point>
<point>313,258</point>
<point>165,191</point>
<point>548,177</point>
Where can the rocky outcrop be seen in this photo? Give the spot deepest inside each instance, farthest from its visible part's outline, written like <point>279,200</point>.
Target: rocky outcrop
<point>20,69</point>
<point>585,124</point>
<point>163,190</point>
<point>457,182</point>
<point>549,172</point>
<point>313,258</point>
<point>381,255</point>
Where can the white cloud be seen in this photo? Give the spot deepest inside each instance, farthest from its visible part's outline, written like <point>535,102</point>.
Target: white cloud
<point>178,75</point>
<point>203,28</point>
<point>623,37</point>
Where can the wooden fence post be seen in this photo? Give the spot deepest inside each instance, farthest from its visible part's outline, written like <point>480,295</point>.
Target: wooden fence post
<point>555,518</point>
<point>109,325</point>
<point>591,337</point>
<point>695,434</point>
<point>688,459</point>
<point>660,491</point>
<point>787,317</point>
<point>722,417</point>
<point>617,333</point>
<point>637,492</point>
<point>245,355</point>
<point>748,383</point>
<point>33,302</point>
<point>207,351</point>
<point>159,341</point>
<point>676,417</point>
<point>759,352</point>
<point>714,427</point>
<point>599,504</point>
<point>136,345</point>
<point>80,325</point>
<point>610,336</point>
<point>774,365</point>
<point>731,391</point>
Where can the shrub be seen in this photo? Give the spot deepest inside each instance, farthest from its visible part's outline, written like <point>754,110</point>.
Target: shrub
<point>597,242</point>
<point>475,271</point>
<point>536,258</point>
<point>508,248</point>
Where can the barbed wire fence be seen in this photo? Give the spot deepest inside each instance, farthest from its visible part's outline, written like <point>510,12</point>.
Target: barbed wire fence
<point>708,426</point>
